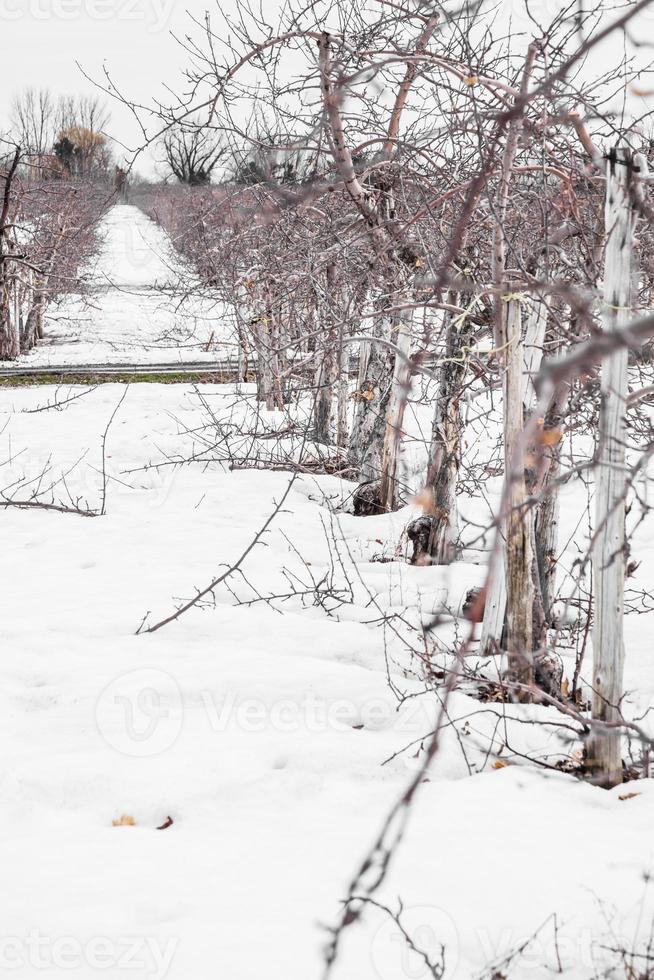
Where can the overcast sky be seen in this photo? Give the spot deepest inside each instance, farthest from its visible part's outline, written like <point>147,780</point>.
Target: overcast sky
<point>41,41</point>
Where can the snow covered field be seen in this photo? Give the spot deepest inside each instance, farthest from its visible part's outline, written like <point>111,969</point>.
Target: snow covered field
<point>262,730</point>
<point>137,309</point>
<point>268,731</point>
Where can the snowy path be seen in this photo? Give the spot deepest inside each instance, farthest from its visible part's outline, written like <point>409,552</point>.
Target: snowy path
<point>135,310</point>
<point>262,735</point>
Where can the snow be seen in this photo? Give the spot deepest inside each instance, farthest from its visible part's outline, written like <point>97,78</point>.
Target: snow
<point>136,307</point>
<point>263,735</point>
<point>275,733</point>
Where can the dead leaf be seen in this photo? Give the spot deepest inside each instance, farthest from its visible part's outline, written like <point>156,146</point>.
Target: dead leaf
<point>124,821</point>
<point>367,395</point>
<point>168,822</point>
<point>499,764</point>
<point>628,796</point>
<point>425,499</point>
<point>551,437</point>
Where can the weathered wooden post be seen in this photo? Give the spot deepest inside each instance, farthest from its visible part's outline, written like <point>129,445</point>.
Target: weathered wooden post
<point>522,362</point>
<point>603,750</point>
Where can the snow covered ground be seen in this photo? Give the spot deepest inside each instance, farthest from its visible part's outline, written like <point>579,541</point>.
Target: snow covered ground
<point>136,308</point>
<point>267,731</point>
<point>262,730</point>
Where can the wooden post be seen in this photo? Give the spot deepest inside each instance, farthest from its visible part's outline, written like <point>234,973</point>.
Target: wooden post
<point>604,757</point>
<point>522,365</point>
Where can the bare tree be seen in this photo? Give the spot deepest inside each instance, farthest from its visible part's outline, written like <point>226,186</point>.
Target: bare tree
<point>468,193</point>
<point>60,132</point>
<point>47,229</point>
<point>34,120</point>
<point>9,329</point>
<point>192,152</point>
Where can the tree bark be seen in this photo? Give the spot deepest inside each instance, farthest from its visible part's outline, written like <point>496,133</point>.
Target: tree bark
<point>519,533</point>
<point>434,535</point>
<point>32,327</point>
<point>9,331</point>
<point>371,403</point>
<point>328,370</point>
<point>389,492</point>
<point>547,513</point>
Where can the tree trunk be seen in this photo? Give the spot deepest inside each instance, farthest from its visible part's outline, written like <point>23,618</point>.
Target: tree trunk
<point>268,341</point>
<point>276,332</point>
<point>519,533</point>
<point>32,326</point>
<point>381,396</point>
<point>400,387</point>
<point>532,356</point>
<point>329,364</point>
<point>342,390</point>
<point>434,535</point>
<point>265,382</point>
<point>604,756</point>
<point>372,398</point>
<point>9,334</point>
<point>547,513</point>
